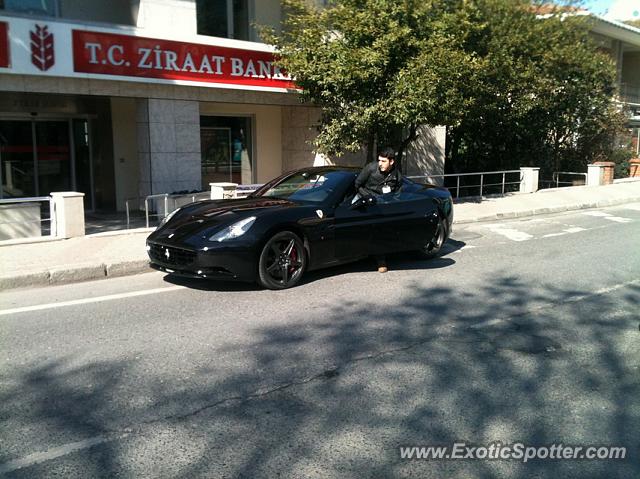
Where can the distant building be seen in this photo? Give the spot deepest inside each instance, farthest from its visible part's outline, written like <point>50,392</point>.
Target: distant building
<point>622,42</point>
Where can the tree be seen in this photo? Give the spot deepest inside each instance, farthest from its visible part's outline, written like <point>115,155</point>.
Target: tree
<point>542,95</point>
<point>514,87</point>
<point>377,68</point>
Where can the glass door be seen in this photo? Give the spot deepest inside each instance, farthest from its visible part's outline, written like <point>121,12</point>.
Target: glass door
<point>53,152</point>
<point>38,157</point>
<point>17,159</point>
<point>226,147</point>
<point>216,155</point>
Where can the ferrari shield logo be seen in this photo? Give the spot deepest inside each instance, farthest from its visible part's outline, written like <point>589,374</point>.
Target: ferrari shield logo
<point>319,213</point>
<point>166,253</point>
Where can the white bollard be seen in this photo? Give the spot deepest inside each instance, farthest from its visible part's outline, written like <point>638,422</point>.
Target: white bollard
<point>220,191</point>
<point>69,214</point>
<point>529,176</point>
<point>595,175</point>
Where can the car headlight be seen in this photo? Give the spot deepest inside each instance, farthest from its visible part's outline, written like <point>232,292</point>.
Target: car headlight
<point>166,219</point>
<point>235,230</point>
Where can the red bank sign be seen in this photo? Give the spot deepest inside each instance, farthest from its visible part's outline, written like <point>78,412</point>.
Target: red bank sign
<point>131,56</point>
<point>4,45</point>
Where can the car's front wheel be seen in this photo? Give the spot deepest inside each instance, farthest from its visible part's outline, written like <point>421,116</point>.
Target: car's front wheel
<point>282,261</point>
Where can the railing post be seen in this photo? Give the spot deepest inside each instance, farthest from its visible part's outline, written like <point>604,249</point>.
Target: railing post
<point>503,180</point>
<point>146,211</point>
<point>481,182</point>
<point>529,179</point>
<point>53,224</point>
<point>458,187</point>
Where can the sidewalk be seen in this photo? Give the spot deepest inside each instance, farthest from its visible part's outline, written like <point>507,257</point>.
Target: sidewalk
<point>123,253</point>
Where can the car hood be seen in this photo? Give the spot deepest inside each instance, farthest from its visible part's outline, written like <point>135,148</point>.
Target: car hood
<point>215,214</point>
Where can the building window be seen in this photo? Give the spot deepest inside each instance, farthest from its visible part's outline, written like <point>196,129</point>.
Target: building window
<point>223,18</point>
<point>31,7</point>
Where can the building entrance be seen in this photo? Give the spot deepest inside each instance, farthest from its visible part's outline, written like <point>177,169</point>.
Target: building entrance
<point>226,150</point>
<point>40,156</point>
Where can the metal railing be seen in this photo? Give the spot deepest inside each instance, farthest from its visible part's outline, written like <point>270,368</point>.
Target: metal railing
<point>562,179</point>
<point>242,191</point>
<point>557,175</point>
<point>162,204</point>
<point>31,228</point>
<point>459,185</point>
<point>630,93</point>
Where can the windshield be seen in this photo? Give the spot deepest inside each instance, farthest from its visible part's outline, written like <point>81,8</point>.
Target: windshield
<point>306,186</point>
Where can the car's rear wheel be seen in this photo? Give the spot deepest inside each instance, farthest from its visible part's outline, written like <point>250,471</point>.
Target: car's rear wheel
<point>282,261</point>
<point>434,247</point>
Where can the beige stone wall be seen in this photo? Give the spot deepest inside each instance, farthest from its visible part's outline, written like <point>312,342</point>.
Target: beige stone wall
<point>425,156</point>
<point>266,12</point>
<point>298,132</point>
<point>172,18</point>
<point>125,149</point>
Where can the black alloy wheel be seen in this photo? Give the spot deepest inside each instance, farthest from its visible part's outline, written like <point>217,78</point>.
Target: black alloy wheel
<point>282,261</point>
<point>433,247</point>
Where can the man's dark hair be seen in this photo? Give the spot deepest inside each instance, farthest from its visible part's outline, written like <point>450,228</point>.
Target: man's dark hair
<point>388,152</point>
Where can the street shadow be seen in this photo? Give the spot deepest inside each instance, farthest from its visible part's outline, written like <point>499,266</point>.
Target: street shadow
<point>334,391</point>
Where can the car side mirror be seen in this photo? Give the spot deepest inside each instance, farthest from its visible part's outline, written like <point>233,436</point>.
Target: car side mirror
<point>364,202</point>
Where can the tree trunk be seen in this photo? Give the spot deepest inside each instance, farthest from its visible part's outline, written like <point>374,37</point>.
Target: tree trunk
<point>413,129</point>
<point>371,143</point>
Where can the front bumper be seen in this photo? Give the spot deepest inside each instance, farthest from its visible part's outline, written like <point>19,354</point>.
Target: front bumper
<point>230,262</point>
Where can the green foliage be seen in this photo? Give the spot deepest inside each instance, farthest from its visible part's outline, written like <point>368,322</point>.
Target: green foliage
<point>542,96</point>
<point>513,89</point>
<point>360,61</point>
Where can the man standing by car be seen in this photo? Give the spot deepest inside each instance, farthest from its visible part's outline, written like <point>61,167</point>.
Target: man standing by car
<point>378,178</point>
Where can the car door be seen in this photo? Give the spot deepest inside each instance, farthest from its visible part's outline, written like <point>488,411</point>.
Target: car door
<point>404,222</point>
<point>352,230</point>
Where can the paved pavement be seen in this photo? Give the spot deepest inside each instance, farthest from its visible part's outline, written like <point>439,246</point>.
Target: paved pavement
<point>123,253</point>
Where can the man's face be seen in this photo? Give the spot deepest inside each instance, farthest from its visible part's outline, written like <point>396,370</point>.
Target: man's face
<point>384,164</point>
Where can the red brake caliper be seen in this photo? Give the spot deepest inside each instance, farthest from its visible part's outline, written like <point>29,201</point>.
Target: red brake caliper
<point>293,257</point>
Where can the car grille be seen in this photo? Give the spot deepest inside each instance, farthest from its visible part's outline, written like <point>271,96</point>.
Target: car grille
<point>176,256</point>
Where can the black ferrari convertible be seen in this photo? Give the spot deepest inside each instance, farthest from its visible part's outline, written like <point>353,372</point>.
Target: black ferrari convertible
<point>303,220</point>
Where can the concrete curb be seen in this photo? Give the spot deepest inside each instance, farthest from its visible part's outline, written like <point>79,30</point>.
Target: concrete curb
<point>75,274</point>
<point>544,211</point>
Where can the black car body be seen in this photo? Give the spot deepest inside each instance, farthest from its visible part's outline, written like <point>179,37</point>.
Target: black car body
<point>303,220</point>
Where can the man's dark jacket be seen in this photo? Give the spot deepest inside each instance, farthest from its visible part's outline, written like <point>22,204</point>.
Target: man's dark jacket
<point>371,180</point>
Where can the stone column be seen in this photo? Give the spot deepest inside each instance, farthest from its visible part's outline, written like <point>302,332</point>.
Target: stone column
<point>168,146</point>
<point>529,177</point>
<point>634,168</point>
<point>69,214</point>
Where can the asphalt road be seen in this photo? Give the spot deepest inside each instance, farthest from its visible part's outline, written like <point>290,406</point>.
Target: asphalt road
<point>524,331</point>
